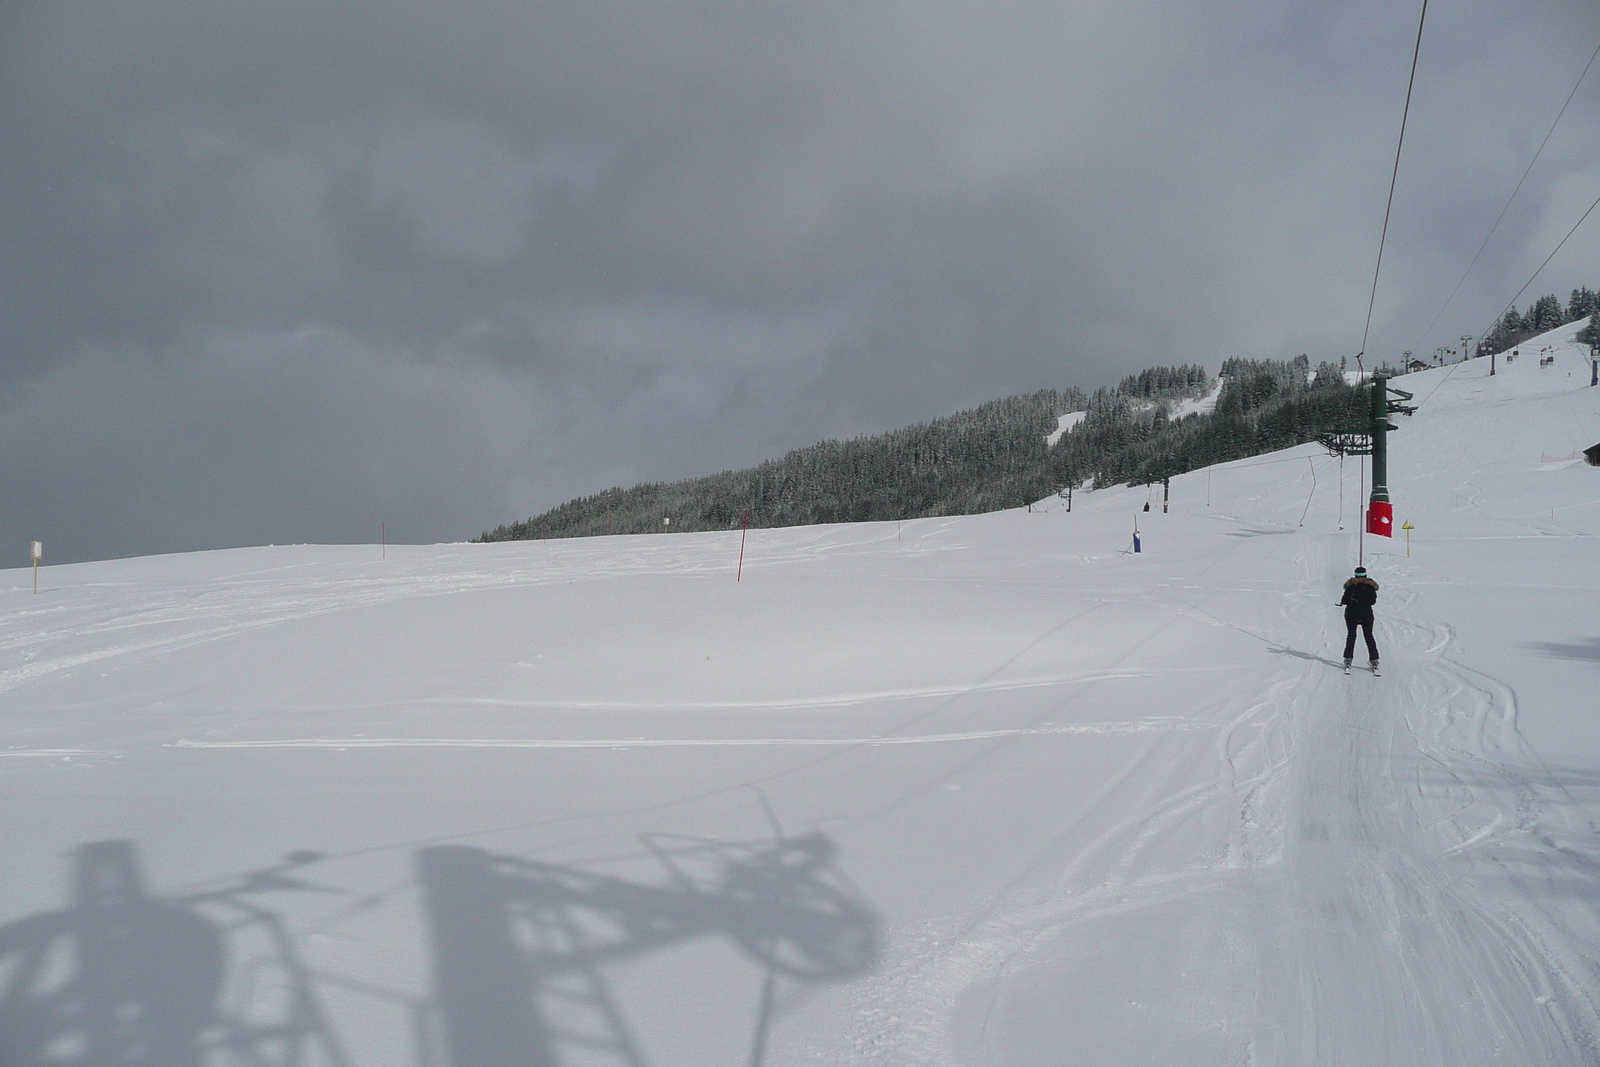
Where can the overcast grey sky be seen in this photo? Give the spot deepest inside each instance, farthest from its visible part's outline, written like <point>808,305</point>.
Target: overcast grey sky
<point>278,271</point>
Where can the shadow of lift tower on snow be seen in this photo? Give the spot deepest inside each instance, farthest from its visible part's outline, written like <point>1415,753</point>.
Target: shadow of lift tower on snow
<point>123,979</point>
<point>120,978</point>
<point>519,946</point>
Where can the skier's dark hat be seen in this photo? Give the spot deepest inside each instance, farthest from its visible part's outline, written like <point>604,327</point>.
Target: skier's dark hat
<point>1361,572</point>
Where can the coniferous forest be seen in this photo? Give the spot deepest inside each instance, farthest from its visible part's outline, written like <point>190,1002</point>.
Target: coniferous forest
<point>1545,313</point>
<point>991,457</point>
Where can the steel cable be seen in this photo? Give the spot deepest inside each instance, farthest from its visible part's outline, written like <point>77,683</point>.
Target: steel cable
<point>1394,178</point>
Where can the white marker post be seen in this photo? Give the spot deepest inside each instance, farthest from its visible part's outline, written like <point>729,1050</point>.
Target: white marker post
<point>36,551</point>
<point>739,577</point>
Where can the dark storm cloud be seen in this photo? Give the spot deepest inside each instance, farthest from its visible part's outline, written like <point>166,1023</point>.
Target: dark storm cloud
<point>274,270</point>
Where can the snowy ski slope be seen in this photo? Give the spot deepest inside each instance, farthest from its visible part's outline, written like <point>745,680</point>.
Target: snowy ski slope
<point>985,790</point>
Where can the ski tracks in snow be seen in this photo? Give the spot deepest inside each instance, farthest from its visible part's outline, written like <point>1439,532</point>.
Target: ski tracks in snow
<point>1137,889</point>
<point>1415,813</point>
<point>1344,848</point>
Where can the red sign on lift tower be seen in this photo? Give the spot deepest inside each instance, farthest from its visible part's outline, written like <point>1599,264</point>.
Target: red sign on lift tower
<point>1380,518</point>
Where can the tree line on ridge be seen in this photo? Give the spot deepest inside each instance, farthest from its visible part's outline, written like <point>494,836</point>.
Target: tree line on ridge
<point>988,458</point>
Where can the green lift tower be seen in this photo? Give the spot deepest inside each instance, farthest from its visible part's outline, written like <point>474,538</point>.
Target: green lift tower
<point>1380,511</point>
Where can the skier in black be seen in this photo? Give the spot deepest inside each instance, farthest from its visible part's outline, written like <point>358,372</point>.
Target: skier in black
<point>1360,593</point>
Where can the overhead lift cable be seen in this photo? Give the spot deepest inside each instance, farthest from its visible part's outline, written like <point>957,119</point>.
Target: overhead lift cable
<point>1501,217</point>
<point>1524,289</point>
<point>1545,264</point>
<point>1393,179</point>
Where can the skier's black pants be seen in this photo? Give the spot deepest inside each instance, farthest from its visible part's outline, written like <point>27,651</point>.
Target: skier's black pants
<point>1365,624</point>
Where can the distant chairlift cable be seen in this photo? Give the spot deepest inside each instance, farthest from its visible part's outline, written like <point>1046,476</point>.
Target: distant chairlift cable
<point>1393,179</point>
<point>1514,299</point>
<point>1546,262</point>
<point>1507,207</point>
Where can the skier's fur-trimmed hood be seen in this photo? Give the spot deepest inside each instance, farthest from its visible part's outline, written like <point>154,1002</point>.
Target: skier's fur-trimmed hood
<point>1360,594</point>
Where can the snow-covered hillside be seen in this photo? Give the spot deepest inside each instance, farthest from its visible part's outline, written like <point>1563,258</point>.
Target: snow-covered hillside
<point>981,790</point>
<point>1202,405</point>
<point>1064,423</point>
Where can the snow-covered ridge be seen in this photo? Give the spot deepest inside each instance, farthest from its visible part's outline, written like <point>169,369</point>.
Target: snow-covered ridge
<point>1204,405</point>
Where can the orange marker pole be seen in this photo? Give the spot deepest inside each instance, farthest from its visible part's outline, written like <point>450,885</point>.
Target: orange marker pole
<point>739,577</point>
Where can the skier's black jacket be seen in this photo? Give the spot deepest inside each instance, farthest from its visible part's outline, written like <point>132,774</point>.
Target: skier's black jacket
<point>1359,596</point>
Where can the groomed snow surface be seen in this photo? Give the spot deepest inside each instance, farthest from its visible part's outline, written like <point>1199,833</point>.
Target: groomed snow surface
<point>1203,405</point>
<point>1064,423</point>
<point>981,791</point>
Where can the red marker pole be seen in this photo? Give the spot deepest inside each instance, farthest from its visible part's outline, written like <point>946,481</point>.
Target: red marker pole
<point>739,577</point>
